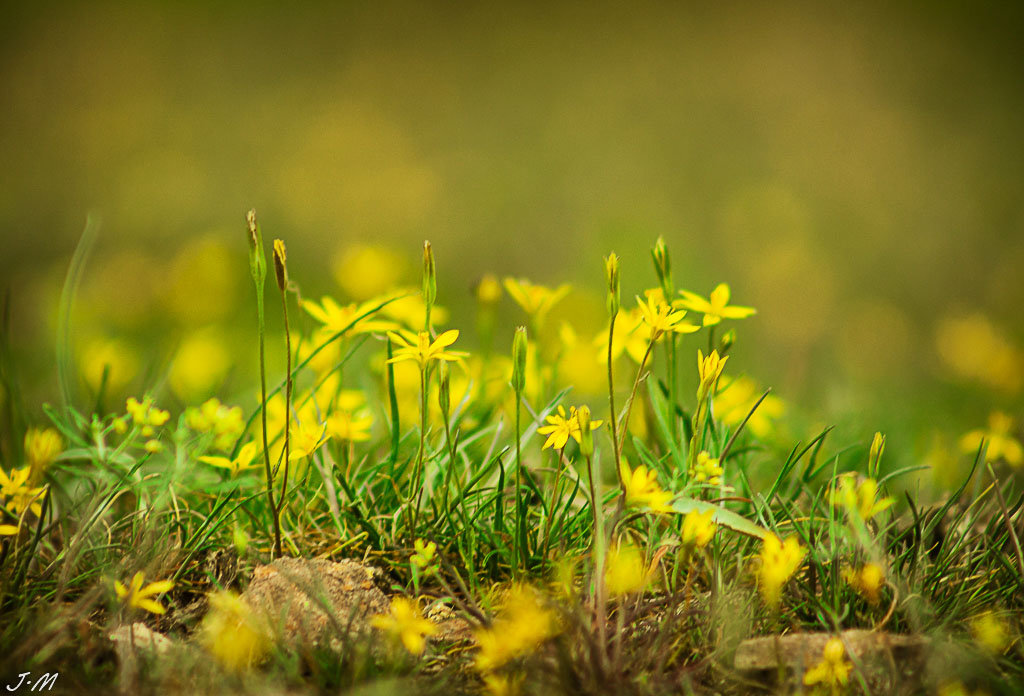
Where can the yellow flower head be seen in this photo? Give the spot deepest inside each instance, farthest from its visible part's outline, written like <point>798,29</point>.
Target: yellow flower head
<point>246,459</point>
<point>226,423</point>
<point>699,528</point>
<point>232,633</point>
<point>522,624</point>
<point>425,555</point>
<point>136,596</point>
<point>1000,438</point>
<point>488,290</point>
<point>306,437</point>
<point>536,300</point>
<point>833,672</point>
<point>353,318</point>
<point>200,364</point>
<point>625,571</point>
<point>364,271</point>
<point>779,561</point>
<point>991,632</point>
<point>867,581</point>
<point>17,495</point>
<point>662,318</point>
<point>405,624</point>
<point>716,307</point>
<point>41,449</point>
<point>707,470</point>
<point>145,416</point>
<point>560,428</point>
<point>642,488</point>
<point>709,369</point>
<point>734,400</point>
<point>420,348</point>
<point>859,498</point>
<point>631,335</point>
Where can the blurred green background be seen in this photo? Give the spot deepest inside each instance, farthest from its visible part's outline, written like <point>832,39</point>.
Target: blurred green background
<point>854,170</point>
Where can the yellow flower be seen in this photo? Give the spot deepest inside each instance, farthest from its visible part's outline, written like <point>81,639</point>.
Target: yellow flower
<point>661,317</point>
<point>407,307</point>
<point>488,290</point>
<point>422,350</point>
<point>779,561</point>
<point>503,684</point>
<point>306,437</point>
<point>200,364</point>
<point>9,529</point>
<point>405,623</point>
<point>232,633</point>
<point>114,358</point>
<point>642,488</point>
<point>521,626</point>
<point>364,271</point>
<point>632,335</point>
<point>536,300</point>
<point>153,446</point>
<point>735,398</point>
<point>867,581</point>
<point>707,470</point>
<point>716,307</point>
<point>999,436</point>
<point>709,369</point>
<point>17,495</point>
<point>226,423</point>
<point>625,572</point>
<point>348,426</point>
<point>336,318</point>
<point>138,597</point>
<point>859,498</point>
<point>699,528</point>
<point>833,672</point>
<point>41,449</point>
<point>145,416</point>
<point>560,428</point>
<point>991,632</point>
<point>972,347</point>
<point>246,459</point>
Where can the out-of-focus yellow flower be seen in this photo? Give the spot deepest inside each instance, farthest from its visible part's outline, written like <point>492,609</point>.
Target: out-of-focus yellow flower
<point>642,488</point>
<point>523,623</point>
<point>488,290</point>
<point>661,318</point>
<point>560,428</point>
<point>112,356</point>
<point>707,470</point>
<point>734,399</point>
<point>833,672</point>
<point>991,632</point>
<point>859,498</point>
<point>779,561</point>
<point>153,446</point>
<point>868,581</point>
<point>353,318</point>
<point>201,286</point>
<point>631,335</point>
<point>1001,442</point>
<point>421,349</point>
<point>364,271</point>
<point>709,369</point>
<point>246,459</point>
<point>16,495</point>
<point>536,300</point>
<point>699,528</point>
<point>408,308</point>
<point>974,348</point>
<point>225,422</point>
<point>200,364</point>
<point>145,415</point>
<point>348,426</point>
<point>138,597</point>
<point>306,437</point>
<point>576,365</point>
<point>323,353</point>
<point>625,572</point>
<point>9,529</point>
<point>503,684</point>
<point>232,633</point>
<point>42,445</point>
<point>405,623</point>
<point>716,307</point>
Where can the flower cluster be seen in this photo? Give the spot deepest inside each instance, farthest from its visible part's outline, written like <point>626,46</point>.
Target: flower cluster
<point>779,561</point>
<point>224,422</point>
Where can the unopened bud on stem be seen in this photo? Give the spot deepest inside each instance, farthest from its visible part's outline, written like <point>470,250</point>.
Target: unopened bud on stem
<point>611,267</point>
<point>280,264</point>
<point>586,432</point>
<point>519,346</point>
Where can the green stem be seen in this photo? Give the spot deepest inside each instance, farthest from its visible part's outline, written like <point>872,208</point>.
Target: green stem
<point>611,404</point>
<point>632,395</point>
<point>517,549</point>
<point>287,412</point>
<point>263,413</point>
<point>418,473</point>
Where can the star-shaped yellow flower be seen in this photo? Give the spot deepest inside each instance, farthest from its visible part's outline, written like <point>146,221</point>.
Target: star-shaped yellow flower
<point>1001,442</point>
<point>536,300</point>
<point>138,597</point>
<point>244,460</point>
<point>661,317</point>
<point>716,307</point>
<point>405,623</point>
<point>419,347</point>
<point>642,488</point>
<point>336,318</point>
<point>561,428</point>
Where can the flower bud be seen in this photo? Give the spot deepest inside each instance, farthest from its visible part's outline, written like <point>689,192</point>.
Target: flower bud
<point>875,455</point>
<point>662,266</point>
<point>611,267</point>
<point>444,392</point>
<point>586,431</point>
<point>725,343</point>
<point>429,275</point>
<point>280,264</point>
<point>257,260</point>
<point>709,369</point>
<point>519,346</point>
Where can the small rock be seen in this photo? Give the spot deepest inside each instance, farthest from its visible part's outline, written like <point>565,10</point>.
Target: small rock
<point>139,637</point>
<point>310,600</point>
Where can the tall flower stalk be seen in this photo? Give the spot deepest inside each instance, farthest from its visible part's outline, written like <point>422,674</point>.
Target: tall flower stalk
<point>519,349</point>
